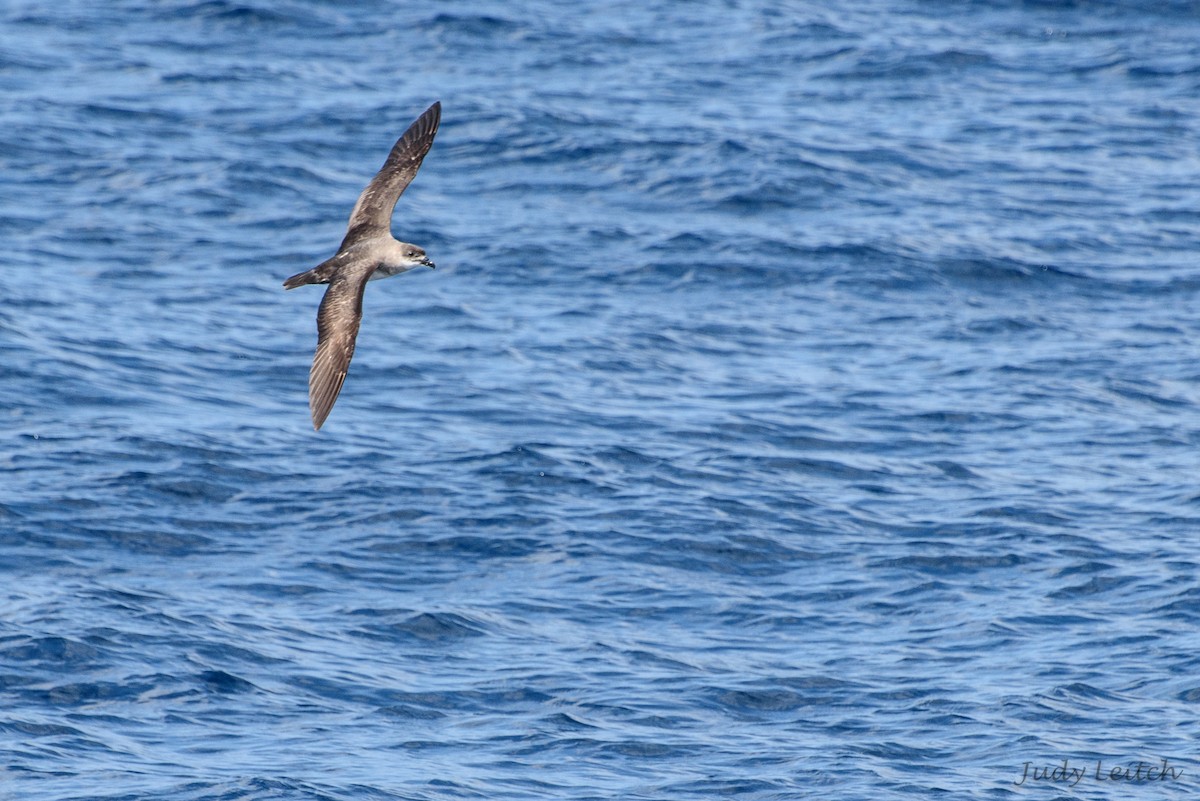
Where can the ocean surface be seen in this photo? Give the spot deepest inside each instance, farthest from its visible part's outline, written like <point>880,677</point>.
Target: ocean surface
<point>806,404</point>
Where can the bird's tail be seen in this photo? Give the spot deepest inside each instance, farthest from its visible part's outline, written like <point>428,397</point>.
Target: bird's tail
<point>317,275</point>
<point>300,279</point>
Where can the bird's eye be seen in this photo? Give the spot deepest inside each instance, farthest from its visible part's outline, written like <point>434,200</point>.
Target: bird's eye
<point>412,254</point>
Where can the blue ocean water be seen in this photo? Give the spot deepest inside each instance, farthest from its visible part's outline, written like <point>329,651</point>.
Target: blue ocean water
<point>805,404</point>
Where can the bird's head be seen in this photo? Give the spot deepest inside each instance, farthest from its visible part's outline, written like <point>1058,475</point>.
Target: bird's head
<point>415,257</point>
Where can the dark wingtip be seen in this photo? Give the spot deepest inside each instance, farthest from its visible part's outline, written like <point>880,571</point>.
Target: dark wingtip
<point>320,415</point>
<point>435,112</point>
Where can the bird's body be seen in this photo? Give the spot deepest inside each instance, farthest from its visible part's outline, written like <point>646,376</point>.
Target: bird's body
<point>368,251</point>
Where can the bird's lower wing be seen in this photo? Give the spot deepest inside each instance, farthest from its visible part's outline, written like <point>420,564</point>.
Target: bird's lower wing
<point>337,327</point>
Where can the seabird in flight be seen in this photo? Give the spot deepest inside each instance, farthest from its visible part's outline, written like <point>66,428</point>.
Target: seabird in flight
<point>369,251</point>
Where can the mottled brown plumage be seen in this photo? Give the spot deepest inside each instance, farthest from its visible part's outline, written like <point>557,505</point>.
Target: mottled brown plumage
<point>368,251</point>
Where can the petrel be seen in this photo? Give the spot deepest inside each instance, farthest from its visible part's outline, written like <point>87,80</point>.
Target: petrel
<point>369,251</point>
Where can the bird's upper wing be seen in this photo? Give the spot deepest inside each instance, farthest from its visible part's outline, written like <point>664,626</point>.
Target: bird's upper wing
<point>337,328</point>
<point>373,212</point>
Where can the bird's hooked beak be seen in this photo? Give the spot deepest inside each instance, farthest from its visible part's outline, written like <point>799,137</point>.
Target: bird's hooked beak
<point>426,262</point>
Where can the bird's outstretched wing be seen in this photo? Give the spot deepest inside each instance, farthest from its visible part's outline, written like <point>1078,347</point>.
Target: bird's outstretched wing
<point>337,327</point>
<point>372,213</point>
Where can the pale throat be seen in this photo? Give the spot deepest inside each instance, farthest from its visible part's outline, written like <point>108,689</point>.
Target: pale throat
<point>392,258</point>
